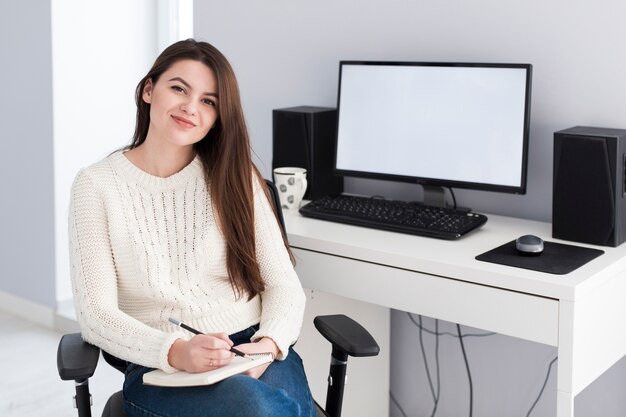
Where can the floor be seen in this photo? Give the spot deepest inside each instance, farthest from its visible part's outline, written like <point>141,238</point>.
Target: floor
<point>31,386</point>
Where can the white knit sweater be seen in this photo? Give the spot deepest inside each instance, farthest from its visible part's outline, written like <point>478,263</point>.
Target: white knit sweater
<point>144,248</point>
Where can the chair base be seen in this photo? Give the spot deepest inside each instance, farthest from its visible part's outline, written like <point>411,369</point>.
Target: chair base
<point>320,410</point>
<point>115,406</point>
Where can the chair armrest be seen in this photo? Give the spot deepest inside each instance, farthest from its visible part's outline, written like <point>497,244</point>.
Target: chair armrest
<point>346,334</point>
<point>76,359</point>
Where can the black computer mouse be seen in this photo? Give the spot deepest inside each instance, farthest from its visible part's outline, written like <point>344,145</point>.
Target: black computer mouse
<point>529,245</point>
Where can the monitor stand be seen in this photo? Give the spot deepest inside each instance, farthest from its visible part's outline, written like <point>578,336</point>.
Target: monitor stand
<point>434,195</point>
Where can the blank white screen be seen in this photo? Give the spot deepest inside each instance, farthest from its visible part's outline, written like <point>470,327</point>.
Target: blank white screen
<point>452,123</point>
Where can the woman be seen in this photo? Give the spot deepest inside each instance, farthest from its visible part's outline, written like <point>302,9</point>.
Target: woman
<point>178,225</point>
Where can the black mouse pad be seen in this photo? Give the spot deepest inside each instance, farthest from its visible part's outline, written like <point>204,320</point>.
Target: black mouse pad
<point>556,258</point>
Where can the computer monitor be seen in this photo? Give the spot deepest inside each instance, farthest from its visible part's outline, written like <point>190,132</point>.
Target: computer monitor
<point>436,124</point>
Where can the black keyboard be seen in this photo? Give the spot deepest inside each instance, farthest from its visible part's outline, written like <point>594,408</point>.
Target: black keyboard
<point>396,216</point>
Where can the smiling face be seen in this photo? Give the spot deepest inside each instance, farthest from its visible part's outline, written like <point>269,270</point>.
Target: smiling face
<point>183,104</point>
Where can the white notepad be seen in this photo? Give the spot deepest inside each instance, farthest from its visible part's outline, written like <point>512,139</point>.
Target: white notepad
<point>185,379</point>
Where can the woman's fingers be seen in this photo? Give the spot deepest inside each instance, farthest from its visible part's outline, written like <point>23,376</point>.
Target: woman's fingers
<point>222,336</point>
<point>211,341</point>
<point>209,352</point>
<point>201,353</point>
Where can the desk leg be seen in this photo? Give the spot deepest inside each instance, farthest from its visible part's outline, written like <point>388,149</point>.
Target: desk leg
<point>564,404</point>
<point>565,374</point>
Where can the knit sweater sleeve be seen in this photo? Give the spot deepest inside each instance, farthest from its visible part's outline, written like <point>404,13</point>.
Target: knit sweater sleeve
<point>94,283</point>
<point>283,301</point>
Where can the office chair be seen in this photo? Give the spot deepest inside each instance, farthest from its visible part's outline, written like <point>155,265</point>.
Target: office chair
<point>77,359</point>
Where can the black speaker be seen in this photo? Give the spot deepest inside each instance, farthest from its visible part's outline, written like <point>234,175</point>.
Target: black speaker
<point>589,185</point>
<point>305,137</point>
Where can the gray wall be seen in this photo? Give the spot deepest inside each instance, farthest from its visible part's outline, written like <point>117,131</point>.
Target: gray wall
<point>286,53</point>
<point>26,171</point>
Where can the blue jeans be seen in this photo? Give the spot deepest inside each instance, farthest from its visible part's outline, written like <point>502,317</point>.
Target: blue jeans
<point>282,391</point>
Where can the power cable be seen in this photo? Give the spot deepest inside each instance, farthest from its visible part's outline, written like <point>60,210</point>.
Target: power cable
<point>393,399</point>
<point>427,330</point>
<point>543,386</point>
<point>434,394</point>
<point>460,336</point>
<point>437,368</point>
<point>453,197</point>
<point>469,375</point>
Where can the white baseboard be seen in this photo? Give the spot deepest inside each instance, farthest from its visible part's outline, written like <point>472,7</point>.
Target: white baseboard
<point>64,324</point>
<point>65,308</point>
<point>38,314</point>
<point>27,309</point>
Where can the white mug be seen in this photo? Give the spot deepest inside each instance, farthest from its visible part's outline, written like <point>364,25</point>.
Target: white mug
<point>291,183</point>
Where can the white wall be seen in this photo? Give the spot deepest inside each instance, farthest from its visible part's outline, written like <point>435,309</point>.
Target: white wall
<point>26,171</point>
<point>286,53</point>
<point>100,52</point>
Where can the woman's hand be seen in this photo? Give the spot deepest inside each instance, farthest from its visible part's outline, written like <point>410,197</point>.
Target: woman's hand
<point>261,346</point>
<point>202,353</point>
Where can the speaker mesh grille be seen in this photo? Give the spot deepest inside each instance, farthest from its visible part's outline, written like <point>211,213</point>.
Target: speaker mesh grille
<point>583,200</point>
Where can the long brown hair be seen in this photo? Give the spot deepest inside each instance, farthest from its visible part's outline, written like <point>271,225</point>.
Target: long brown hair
<point>226,158</point>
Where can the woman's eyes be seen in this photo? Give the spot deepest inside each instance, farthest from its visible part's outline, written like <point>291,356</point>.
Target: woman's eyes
<point>206,101</point>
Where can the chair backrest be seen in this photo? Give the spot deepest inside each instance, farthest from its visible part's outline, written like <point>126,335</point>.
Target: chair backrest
<point>275,200</point>
<point>115,362</point>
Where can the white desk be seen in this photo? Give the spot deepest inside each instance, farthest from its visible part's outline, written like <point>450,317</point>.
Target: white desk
<point>581,313</point>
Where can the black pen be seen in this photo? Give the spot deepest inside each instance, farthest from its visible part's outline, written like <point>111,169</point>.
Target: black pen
<point>194,331</point>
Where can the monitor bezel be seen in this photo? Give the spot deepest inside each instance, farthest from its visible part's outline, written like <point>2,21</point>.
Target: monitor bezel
<point>521,189</point>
